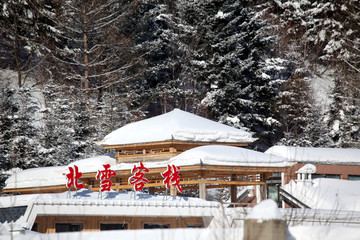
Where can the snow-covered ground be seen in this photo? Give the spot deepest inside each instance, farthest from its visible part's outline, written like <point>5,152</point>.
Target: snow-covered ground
<point>294,233</point>
<point>325,193</point>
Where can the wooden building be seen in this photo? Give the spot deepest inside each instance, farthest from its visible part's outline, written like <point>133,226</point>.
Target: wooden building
<point>85,210</point>
<point>208,154</point>
<point>157,142</point>
<point>337,163</point>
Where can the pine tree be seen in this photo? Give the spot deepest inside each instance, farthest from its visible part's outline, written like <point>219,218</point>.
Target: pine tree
<point>69,130</point>
<point>26,27</point>
<point>161,40</point>
<point>302,123</point>
<point>234,48</point>
<point>343,115</point>
<point>18,147</point>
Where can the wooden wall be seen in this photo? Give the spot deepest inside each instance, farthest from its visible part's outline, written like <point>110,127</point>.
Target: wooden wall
<point>46,224</point>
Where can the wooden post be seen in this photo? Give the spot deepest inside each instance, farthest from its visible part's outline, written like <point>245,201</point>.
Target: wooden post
<point>233,190</point>
<point>173,191</point>
<point>202,189</point>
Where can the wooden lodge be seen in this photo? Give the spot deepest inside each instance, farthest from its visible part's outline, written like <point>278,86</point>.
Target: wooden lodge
<point>156,140</point>
<point>208,154</point>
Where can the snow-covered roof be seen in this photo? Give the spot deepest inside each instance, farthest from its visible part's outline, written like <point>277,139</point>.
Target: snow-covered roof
<point>86,197</point>
<point>93,164</point>
<point>176,125</point>
<point>227,156</point>
<point>219,155</point>
<point>216,155</point>
<point>325,193</point>
<point>87,203</point>
<point>54,176</point>
<point>345,156</point>
<point>39,177</point>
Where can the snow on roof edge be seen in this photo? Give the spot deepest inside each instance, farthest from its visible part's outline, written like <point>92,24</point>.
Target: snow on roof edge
<point>335,156</point>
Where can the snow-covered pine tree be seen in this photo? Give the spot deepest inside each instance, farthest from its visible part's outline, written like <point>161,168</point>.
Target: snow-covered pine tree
<point>161,40</point>
<point>26,27</point>
<point>302,123</point>
<point>320,38</point>
<point>343,115</point>
<point>69,128</point>
<point>18,134</point>
<point>234,46</point>
<point>16,19</point>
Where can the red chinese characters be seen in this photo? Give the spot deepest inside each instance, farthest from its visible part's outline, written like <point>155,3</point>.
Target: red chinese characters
<point>73,177</point>
<point>138,179</point>
<point>104,176</point>
<point>171,176</point>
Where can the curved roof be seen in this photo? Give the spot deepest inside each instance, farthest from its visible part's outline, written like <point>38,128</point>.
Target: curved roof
<point>37,177</point>
<point>344,156</point>
<point>227,156</point>
<point>176,125</point>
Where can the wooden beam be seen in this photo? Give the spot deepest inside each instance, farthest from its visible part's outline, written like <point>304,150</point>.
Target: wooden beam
<point>172,143</point>
<point>49,189</point>
<point>239,183</point>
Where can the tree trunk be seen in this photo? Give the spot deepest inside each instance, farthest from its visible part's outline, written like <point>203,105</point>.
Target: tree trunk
<point>86,52</point>
<point>17,51</point>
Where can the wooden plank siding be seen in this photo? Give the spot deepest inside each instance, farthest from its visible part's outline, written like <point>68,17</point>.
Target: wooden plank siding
<point>158,151</point>
<point>46,224</point>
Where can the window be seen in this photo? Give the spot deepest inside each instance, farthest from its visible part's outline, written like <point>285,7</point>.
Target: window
<point>354,177</point>
<point>113,226</point>
<point>155,225</point>
<point>273,193</point>
<point>335,176</point>
<point>194,226</point>
<point>68,227</point>
<point>11,213</point>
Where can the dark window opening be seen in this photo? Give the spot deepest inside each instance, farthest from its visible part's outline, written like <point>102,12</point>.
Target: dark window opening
<point>194,226</point>
<point>68,227</point>
<point>354,177</point>
<point>34,227</point>
<point>334,176</point>
<point>154,226</point>
<point>113,226</point>
<point>11,213</point>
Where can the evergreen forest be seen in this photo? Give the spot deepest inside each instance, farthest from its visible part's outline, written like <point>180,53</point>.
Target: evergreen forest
<point>72,71</point>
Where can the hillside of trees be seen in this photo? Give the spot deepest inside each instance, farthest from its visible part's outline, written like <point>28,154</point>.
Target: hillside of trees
<point>73,71</point>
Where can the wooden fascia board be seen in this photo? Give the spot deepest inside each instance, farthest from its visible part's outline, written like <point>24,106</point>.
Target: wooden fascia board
<point>58,188</point>
<point>203,168</point>
<point>172,143</point>
<point>214,184</point>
